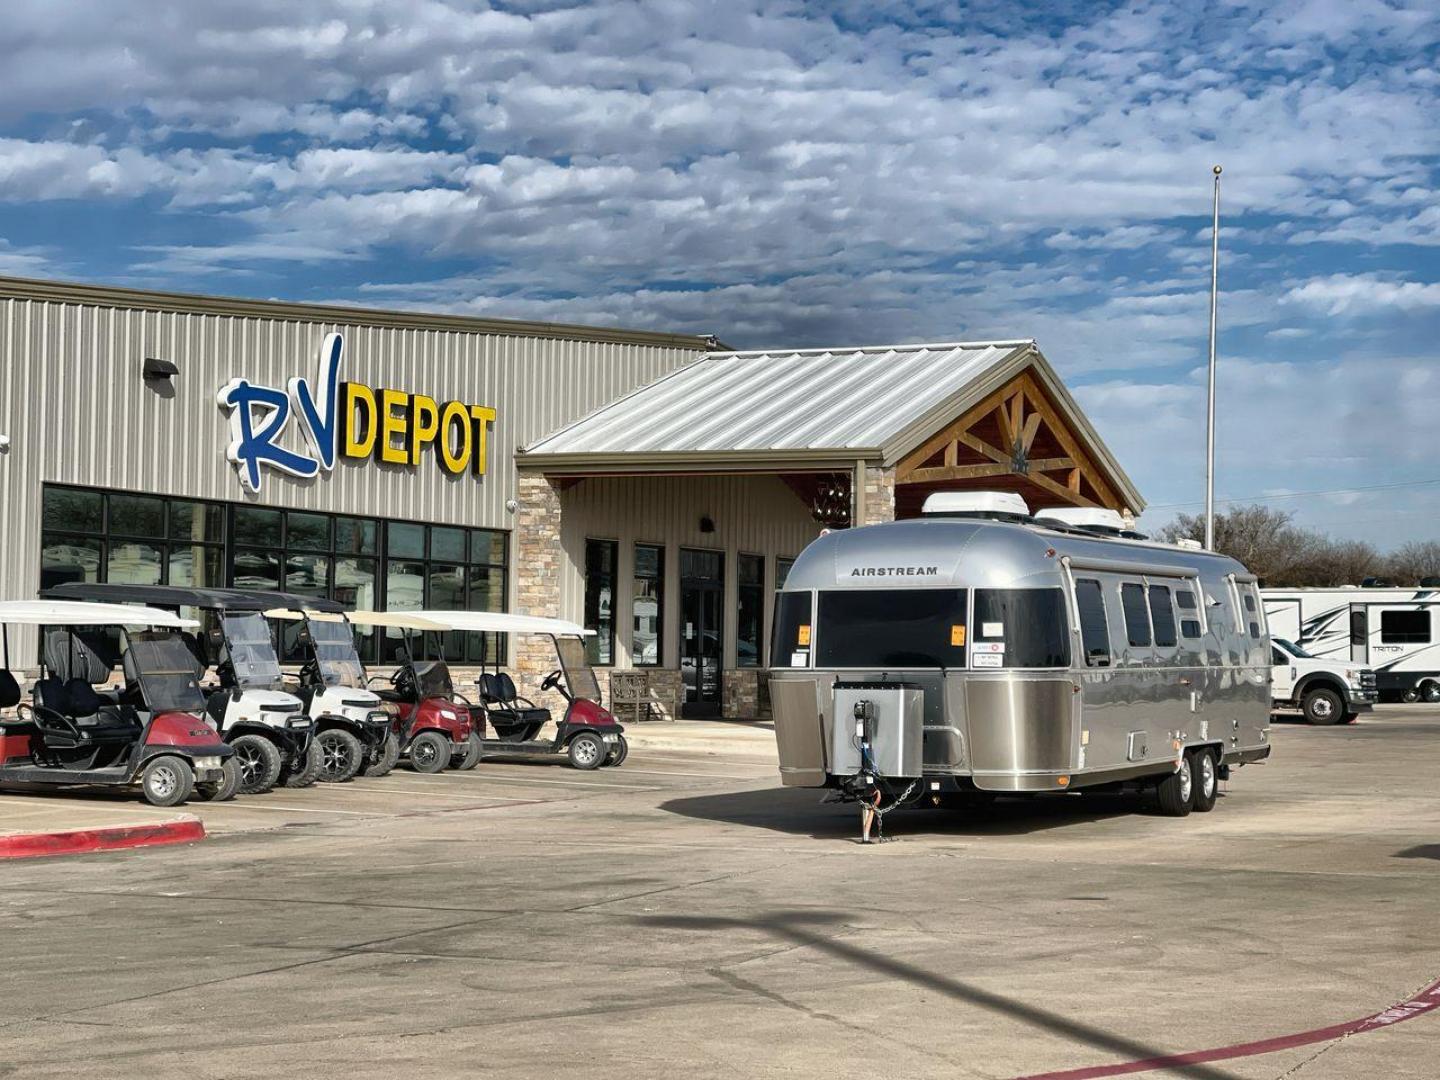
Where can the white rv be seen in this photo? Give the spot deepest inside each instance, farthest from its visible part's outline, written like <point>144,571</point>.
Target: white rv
<point>1395,631</point>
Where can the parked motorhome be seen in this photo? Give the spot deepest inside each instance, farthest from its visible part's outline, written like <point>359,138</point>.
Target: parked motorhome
<point>1394,630</point>
<point>979,650</point>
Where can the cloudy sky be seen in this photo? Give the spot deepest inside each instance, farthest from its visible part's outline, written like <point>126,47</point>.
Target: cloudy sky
<point>789,173</point>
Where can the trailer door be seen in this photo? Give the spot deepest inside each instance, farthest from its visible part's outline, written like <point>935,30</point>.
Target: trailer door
<point>1359,634</point>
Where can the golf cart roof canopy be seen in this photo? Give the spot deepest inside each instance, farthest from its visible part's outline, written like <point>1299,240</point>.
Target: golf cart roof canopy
<point>294,615</point>
<point>75,613</point>
<point>502,623</point>
<point>180,596</point>
<point>406,620</point>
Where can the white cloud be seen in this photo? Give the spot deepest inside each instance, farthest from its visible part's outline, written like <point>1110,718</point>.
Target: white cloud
<point>1344,294</point>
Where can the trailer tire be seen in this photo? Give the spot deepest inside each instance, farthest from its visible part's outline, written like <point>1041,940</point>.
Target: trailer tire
<point>1174,794</point>
<point>429,752</point>
<point>340,755</point>
<point>586,751</point>
<point>469,757</point>
<point>1322,705</point>
<point>222,790</point>
<point>1205,782</point>
<point>1430,692</point>
<point>258,761</point>
<point>618,755</point>
<point>389,755</point>
<point>307,773</point>
<point>167,780</point>
<point>1410,695</point>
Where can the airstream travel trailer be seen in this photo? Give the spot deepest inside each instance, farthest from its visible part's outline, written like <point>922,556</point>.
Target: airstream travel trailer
<point>979,650</point>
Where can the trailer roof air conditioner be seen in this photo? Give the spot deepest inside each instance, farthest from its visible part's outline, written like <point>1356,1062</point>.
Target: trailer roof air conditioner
<point>1084,517</point>
<point>993,504</point>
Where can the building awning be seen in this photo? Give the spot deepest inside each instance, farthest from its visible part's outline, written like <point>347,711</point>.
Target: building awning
<point>814,409</point>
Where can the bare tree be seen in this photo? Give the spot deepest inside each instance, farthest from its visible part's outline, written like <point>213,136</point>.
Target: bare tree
<point>1411,562</point>
<point>1279,552</point>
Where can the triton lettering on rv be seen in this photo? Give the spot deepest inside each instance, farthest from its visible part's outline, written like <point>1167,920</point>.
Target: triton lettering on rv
<point>1044,654</point>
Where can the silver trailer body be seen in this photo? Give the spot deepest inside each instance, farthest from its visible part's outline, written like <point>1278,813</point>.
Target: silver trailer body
<point>1049,660</point>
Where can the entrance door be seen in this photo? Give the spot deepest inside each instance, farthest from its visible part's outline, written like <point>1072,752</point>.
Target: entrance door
<point>702,630</point>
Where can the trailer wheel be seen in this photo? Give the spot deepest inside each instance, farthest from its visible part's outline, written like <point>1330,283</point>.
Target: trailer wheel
<point>1430,692</point>
<point>429,752</point>
<point>224,789</point>
<point>259,763</point>
<point>1410,695</point>
<point>1174,793</point>
<point>1322,706</point>
<point>1205,779</point>
<point>340,755</point>
<point>167,781</point>
<point>307,772</point>
<point>468,758</point>
<point>618,754</point>
<point>389,755</point>
<point>586,751</point>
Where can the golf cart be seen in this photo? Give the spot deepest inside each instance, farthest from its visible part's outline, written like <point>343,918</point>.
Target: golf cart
<point>352,725</point>
<point>266,727</point>
<point>587,734</point>
<point>152,732</point>
<point>432,723</point>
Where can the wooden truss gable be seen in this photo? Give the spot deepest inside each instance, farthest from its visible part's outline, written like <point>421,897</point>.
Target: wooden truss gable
<point>1013,440</point>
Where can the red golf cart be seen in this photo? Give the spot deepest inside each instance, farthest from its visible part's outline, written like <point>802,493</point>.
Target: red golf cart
<point>586,734</point>
<point>153,732</point>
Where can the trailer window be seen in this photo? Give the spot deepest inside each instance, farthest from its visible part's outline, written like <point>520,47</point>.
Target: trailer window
<point>1137,619</point>
<point>892,628</point>
<point>1094,630</point>
<point>1162,616</point>
<point>1404,627</point>
<point>790,637</point>
<point>1359,629</point>
<point>1028,624</point>
<point>1185,601</point>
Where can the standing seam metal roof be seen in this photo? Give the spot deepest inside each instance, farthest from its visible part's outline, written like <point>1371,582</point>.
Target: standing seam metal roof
<point>855,399</point>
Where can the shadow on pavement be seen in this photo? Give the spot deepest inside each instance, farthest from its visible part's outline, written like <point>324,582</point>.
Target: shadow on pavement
<point>799,812</point>
<point>805,929</point>
<point>1420,851</point>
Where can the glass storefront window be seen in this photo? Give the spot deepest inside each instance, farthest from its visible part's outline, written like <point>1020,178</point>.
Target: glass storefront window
<point>447,544</point>
<point>255,525</point>
<point>133,564</point>
<point>308,575</point>
<point>196,565</point>
<point>253,569</point>
<point>750,614</point>
<point>404,540</point>
<point>354,536</point>
<point>69,510</point>
<point>197,521</point>
<point>600,559</point>
<point>647,606</point>
<point>137,515</point>
<point>64,559</point>
<point>308,532</point>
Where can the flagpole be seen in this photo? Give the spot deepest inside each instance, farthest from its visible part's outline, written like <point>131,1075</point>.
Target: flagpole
<point>1210,405</point>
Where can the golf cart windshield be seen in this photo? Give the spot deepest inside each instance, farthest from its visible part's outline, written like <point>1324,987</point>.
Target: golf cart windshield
<point>579,675</point>
<point>335,654</point>
<point>166,671</point>
<point>251,651</point>
<point>432,679</point>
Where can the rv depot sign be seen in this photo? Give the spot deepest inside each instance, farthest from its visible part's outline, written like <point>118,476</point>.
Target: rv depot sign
<point>351,420</point>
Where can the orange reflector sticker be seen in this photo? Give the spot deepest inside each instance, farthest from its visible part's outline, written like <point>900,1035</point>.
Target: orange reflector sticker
<point>957,636</point>
<point>803,636</point>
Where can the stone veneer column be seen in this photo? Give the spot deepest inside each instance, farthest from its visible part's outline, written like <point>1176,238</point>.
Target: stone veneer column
<point>879,495</point>
<point>537,563</point>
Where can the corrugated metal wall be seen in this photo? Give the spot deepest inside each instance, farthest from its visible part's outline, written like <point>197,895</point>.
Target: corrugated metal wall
<point>758,515</point>
<point>77,411</point>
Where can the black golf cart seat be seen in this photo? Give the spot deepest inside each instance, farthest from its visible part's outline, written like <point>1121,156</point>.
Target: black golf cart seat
<point>77,661</point>
<point>503,702</point>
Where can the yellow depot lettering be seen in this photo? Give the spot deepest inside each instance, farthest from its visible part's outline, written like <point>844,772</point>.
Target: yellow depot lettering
<point>424,425</point>
<point>481,416</point>
<point>393,425</point>
<point>359,436</point>
<point>454,420</point>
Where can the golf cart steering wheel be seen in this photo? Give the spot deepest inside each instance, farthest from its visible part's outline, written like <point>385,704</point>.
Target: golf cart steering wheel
<point>309,672</point>
<point>551,681</point>
<point>57,722</point>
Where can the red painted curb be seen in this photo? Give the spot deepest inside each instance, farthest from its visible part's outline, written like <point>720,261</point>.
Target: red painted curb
<point>1427,1000</point>
<point>80,841</point>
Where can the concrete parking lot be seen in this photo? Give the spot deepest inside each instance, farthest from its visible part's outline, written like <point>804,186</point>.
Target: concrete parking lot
<point>684,915</point>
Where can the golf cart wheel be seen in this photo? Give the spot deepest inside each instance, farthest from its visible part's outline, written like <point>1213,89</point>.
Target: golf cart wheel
<point>389,755</point>
<point>340,755</point>
<point>308,770</point>
<point>1205,782</point>
<point>1174,794</point>
<point>167,781</point>
<point>429,752</point>
<point>1430,692</point>
<point>1410,695</point>
<point>618,753</point>
<point>224,789</point>
<point>587,751</point>
<point>259,762</point>
<point>1322,706</point>
<point>469,757</point>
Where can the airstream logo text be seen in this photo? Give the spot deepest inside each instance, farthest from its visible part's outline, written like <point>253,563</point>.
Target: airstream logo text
<point>347,419</point>
<point>895,571</point>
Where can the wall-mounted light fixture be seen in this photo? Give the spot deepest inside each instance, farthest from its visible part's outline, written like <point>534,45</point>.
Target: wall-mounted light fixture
<point>156,369</point>
<point>707,525</point>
